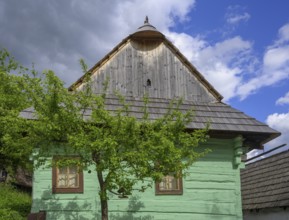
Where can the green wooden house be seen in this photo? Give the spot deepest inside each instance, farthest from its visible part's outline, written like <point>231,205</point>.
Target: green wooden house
<point>147,62</point>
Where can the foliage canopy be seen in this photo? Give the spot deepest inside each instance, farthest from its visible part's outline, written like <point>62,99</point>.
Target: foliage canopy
<point>14,147</point>
<point>124,151</point>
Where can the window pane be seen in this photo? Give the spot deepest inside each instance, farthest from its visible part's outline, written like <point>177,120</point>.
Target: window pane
<point>169,183</point>
<point>68,177</point>
<point>62,170</point>
<point>62,180</point>
<point>175,183</point>
<point>73,180</point>
<point>73,169</point>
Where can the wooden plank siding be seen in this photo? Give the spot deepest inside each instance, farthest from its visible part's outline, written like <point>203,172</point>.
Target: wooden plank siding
<point>130,68</point>
<point>211,191</point>
<point>64,206</point>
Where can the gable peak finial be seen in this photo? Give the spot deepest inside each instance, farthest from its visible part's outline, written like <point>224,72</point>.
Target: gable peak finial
<point>146,20</point>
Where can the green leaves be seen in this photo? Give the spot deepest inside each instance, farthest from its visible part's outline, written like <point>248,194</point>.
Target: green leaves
<point>13,99</point>
<point>126,152</point>
<point>13,204</point>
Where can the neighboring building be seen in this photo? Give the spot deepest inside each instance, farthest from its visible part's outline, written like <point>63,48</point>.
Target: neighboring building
<point>147,62</point>
<point>265,188</point>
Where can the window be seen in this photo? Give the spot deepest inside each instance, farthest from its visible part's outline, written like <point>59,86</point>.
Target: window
<point>66,178</point>
<point>149,83</point>
<point>170,185</point>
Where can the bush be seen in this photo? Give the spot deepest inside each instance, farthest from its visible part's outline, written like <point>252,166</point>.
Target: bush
<point>14,205</point>
<point>6,214</point>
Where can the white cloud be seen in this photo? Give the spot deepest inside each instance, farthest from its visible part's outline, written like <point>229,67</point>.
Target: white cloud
<point>234,70</point>
<point>188,45</point>
<point>236,14</point>
<point>221,63</point>
<point>280,122</point>
<point>283,34</point>
<point>276,58</point>
<point>267,78</point>
<point>225,79</point>
<point>237,18</point>
<point>254,153</point>
<point>162,13</point>
<point>227,50</point>
<point>283,100</point>
<point>275,66</point>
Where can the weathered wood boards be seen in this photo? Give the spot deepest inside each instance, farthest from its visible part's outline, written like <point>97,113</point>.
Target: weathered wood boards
<point>151,69</point>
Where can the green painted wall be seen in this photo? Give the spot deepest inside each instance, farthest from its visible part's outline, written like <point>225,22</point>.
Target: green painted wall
<point>211,191</point>
<point>83,206</point>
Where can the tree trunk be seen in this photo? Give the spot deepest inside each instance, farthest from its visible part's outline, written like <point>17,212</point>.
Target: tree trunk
<point>103,196</point>
<point>104,210</point>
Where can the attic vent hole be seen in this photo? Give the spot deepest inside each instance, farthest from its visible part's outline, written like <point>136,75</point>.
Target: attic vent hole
<point>149,83</point>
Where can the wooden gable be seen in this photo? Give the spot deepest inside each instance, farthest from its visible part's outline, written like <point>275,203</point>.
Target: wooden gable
<point>147,63</point>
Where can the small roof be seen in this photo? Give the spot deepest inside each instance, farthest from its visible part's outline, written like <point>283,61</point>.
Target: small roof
<point>147,26</point>
<point>265,183</point>
<point>147,30</point>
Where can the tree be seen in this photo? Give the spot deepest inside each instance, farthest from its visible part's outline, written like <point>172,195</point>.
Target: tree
<point>153,149</point>
<point>125,151</point>
<point>14,150</point>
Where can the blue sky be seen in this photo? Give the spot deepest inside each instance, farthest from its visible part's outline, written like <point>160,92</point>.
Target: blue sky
<point>240,46</point>
<point>259,24</point>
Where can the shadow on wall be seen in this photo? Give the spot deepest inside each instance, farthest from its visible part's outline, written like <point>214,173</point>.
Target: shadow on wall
<point>132,212</point>
<point>56,208</point>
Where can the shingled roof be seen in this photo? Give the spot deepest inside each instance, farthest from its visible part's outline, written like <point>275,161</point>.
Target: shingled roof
<point>265,183</point>
<point>223,118</point>
<point>130,64</point>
